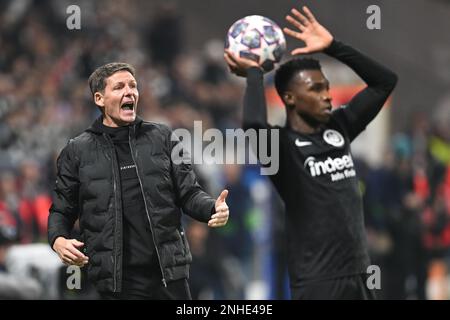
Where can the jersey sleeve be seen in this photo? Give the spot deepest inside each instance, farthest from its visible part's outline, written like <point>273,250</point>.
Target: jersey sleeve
<point>367,103</point>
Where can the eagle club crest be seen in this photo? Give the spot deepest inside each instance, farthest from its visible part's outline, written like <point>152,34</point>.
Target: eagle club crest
<point>333,138</point>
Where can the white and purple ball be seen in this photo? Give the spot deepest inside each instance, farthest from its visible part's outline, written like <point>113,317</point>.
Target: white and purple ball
<point>257,38</point>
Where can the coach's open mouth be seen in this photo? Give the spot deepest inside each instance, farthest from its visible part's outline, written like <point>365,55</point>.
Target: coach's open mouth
<point>129,105</point>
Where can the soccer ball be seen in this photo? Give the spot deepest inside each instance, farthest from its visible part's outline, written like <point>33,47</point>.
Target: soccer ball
<point>257,38</point>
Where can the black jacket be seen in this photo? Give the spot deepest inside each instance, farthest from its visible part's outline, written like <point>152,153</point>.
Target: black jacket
<point>88,188</point>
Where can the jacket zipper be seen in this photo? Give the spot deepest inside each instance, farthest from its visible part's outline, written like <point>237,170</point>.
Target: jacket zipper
<point>115,221</point>
<point>146,209</point>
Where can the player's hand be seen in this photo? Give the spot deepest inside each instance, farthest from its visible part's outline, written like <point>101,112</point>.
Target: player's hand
<point>67,250</point>
<point>220,218</point>
<point>238,65</point>
<point>315,36</point>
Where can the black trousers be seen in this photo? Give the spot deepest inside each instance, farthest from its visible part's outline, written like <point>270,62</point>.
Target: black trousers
<point>352,287</point>
<point>175,290</point>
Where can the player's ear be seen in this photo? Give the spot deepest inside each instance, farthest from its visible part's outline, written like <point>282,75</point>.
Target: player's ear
<point>99,99</point>
<point>288,98</point>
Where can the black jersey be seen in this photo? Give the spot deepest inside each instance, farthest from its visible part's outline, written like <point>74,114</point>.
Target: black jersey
<point>317,178</point>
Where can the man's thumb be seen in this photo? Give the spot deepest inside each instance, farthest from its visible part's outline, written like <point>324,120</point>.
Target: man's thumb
<point>222,196</point>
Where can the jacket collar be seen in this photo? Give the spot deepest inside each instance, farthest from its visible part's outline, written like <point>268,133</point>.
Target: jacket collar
<point>96,127</point>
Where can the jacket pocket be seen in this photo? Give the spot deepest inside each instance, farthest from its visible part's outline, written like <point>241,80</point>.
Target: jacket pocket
<point>175,252</point>
<point>185,242</point>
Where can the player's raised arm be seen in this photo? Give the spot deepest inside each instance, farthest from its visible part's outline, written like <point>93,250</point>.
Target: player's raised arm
<point>255,112</point>
<point>381,81</point>
<point>254,45</point>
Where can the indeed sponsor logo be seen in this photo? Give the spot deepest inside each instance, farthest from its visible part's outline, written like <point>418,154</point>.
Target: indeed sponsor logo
<point>339,168</point>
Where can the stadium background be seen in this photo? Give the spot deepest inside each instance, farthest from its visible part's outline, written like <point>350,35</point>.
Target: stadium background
<point>177,48</point>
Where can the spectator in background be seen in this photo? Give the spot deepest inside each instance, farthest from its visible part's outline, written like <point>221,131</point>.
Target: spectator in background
<point>394,224</point>
<point>27,201</point>
<point>165,39</point>
<point>236,235</point>
<point>10,203</point>
<point>13,286</point>
<point>35,200</point>
<point>209,280</point>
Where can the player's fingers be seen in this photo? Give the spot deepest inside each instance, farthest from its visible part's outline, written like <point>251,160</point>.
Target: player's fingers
<point>300,51</point>
<point>227,58</point>
<point>231,56</point>
<point>309,14</point>
<point>231,64</point>
<point>300,17</point>
<point>233,70</point>
<point>293,33</point>
<point>295,23</point>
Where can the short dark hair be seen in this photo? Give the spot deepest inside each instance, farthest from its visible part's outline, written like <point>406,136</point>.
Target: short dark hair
<point>97,80</point>
<point>287,71</point>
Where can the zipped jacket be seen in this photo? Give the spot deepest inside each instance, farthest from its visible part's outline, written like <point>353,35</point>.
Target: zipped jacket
<point>88,188</point>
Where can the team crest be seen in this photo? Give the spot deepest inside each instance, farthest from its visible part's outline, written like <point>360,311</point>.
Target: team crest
<point>334,138</point>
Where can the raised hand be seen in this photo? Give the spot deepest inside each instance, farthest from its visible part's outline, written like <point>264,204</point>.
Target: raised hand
<point>315,36</point>
<point>238,65</point>
<point>220,218</point>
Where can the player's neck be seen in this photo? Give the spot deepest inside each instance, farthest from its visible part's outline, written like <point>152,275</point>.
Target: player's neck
<point>299,124</point>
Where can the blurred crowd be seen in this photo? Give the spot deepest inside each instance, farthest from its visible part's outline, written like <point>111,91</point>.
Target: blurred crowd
<point>44,100</point>
<point>407,207</point>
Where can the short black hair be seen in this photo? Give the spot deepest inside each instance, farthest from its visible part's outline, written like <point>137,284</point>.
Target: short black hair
<point>287,71</point>
<point>97,80</point>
